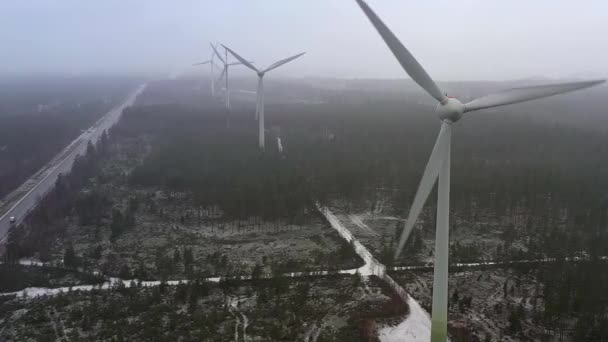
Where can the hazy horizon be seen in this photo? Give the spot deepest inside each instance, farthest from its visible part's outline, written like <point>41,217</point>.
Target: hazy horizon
<point>469,41</point>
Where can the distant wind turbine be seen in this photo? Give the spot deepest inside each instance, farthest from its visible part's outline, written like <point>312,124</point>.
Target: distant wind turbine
<point>259,109</point>
<point>224,73</point>
<point>212,65</point>
<point>449,111</point>
<point>211,75</point>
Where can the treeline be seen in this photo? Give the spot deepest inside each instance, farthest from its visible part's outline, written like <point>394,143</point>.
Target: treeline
<point>576,290</point>
<point>40,116</point>
<point>496,159</point>
<point>545,179</point>
<point>29,141</point>
<point>104,314</point>
<point>345,150</point>
<point>221,167</point>
<point>46,222</point>
<point>19,277</point>
<point>279,309</point>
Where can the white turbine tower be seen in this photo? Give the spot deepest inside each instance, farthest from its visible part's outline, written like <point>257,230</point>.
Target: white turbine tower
<point>259,107</point>
<point>449,111</point>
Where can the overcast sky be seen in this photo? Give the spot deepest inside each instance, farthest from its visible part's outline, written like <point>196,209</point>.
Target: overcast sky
<point>453,40</point>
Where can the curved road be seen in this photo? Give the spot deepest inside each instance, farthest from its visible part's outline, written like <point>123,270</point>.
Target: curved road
<point>44,180</point>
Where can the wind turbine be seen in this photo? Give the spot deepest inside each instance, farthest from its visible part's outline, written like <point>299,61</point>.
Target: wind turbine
<point>203,63</point>
<point>224,73</point>
<point>259,107</point>
<point>449,110</point>
<point>212,65</point>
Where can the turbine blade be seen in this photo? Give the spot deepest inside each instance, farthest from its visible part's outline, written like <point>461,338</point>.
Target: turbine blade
<point>526,94</point>
<point>219,79</point>
<point>201,63</point>
<point>217,54</point>
<point>239,63</point>
<point>405,58</point>
<point>240,59</point>
<point>212,52</point>
<point>283,61</point>
<point>428,180</point>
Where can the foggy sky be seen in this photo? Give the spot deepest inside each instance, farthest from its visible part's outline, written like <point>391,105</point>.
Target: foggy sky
<point>453,40</point>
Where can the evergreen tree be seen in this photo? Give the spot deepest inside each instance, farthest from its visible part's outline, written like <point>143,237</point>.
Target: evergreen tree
<point>69,257</point>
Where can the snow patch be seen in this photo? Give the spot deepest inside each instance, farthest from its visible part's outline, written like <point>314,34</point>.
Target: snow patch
<point>416,327</point>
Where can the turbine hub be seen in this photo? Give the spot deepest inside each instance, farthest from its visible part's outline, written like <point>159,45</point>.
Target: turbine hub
<point>450,109</point>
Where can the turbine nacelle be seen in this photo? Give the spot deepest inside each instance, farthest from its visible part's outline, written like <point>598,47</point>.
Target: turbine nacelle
<point>450,109</point>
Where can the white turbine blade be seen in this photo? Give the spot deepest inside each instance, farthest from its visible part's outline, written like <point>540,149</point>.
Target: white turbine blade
<point>428,180</point>
<point>219,79</point>
<point>526,94</point>
<point>241,59</point>
<point>217,54</point>
<point>283,61</point>
<point>405,58</point>
<point>239,63</point>
<point>201,63</point>
<point>212,52</point>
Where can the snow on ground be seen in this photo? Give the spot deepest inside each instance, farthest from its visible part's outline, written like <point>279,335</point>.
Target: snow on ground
<point>372,266</point>
<point>494,263</point>
<point>369,268</point>
<point>30,262</point>
<point>358,221</point>
<point>113,282</point>
<point>417,325</point>
<point>389,218</point>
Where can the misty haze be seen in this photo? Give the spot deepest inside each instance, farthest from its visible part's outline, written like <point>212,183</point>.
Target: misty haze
<point>326,170</point>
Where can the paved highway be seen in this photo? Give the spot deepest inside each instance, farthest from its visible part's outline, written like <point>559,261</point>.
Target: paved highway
<point>44,180</point>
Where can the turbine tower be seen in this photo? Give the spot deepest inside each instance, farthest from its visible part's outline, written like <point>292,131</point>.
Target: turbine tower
<point>449,110</point>
<point>259,107</point>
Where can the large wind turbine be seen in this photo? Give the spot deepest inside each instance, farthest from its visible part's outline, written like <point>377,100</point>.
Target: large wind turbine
<point>449,111</point>
<point>224,73</point>
<point>259,107</point>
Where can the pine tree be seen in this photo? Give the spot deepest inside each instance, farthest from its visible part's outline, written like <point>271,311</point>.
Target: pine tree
<point>116,226</point>
<point>455,297</point>
<point>176,256</point>
<point>69,257</point>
